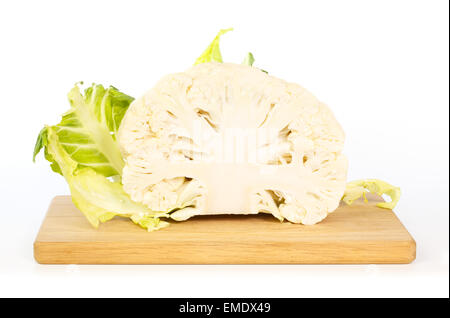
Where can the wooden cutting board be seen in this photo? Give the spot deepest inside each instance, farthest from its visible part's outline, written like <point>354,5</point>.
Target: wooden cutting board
<point>357,234</point>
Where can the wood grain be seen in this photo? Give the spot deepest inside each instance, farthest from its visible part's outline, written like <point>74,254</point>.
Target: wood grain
<point>357,234</point>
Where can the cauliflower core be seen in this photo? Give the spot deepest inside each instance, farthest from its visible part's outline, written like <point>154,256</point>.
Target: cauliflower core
<point>223,138</point>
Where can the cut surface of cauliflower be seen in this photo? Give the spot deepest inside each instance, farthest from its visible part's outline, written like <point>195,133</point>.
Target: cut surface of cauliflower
<point>224,138</point>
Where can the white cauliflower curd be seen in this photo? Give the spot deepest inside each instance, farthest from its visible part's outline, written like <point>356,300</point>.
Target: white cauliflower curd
<point>225,138</point>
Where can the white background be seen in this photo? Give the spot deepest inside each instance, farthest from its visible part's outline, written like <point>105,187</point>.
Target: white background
<point>382,67</point>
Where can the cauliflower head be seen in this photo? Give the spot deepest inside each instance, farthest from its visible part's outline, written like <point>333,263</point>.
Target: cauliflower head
<point>225,138</point>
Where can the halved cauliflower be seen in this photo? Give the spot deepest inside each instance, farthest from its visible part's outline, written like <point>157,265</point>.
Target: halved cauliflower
<point>224,138</point>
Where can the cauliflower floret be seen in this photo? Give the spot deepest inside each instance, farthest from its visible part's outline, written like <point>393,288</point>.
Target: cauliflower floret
<point>223,138</point>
